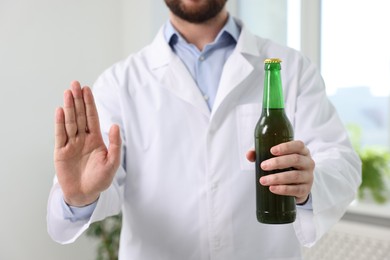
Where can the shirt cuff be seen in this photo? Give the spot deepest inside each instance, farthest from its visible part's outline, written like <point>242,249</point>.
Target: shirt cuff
<point>77,213</point>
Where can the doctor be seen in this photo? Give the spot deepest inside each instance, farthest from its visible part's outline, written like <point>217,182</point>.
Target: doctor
<point>165,139</point>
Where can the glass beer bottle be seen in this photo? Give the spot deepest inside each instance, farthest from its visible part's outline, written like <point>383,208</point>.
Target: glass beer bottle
<point>272,129</point>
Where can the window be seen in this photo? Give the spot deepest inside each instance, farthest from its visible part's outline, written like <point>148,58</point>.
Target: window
<point>278,20</point>
<point>348,40</point>
<point>355,62</point>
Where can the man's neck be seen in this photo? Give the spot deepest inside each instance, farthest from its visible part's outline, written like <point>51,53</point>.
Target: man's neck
<point>200,34</point>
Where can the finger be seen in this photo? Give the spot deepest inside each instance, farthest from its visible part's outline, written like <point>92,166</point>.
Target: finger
<point>114,148</point>
<point>296,161</point>
<point>290,148</point>
<point>251,155</point>
<point>285,178</point>
<point>299,191</point>
<point>92,118</point>
<point>59,130</point>
<point>69,113</point>
<point>81,120</point>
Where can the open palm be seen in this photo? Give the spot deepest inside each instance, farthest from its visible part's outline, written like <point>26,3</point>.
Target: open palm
<point>84,165</point>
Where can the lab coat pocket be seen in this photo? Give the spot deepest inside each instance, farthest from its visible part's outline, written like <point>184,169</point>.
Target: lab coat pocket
<point>247,116</point>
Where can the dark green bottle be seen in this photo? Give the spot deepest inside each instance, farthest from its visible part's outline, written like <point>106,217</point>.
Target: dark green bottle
<point>272,128</point>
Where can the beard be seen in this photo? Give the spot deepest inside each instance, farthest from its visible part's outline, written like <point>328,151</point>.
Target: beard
<point>199,14</point>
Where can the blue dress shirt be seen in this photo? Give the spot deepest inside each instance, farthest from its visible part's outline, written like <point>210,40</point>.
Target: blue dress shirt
<point>205,65</point>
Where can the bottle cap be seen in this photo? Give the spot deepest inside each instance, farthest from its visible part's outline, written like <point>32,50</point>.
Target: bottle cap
<point>272,60</point>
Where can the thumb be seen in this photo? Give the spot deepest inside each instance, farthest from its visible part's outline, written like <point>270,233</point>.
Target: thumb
<point>114,147</point>
<point>251,155</point>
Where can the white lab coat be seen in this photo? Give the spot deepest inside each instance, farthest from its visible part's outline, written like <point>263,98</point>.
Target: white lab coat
<point>185,188</point>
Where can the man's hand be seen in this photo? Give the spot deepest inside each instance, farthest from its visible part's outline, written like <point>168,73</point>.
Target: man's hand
<point>297,182</point>
<point>84,165</point>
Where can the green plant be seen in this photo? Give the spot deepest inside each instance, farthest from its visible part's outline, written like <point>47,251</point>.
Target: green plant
<point>375,168</point>
<point>107,232</point>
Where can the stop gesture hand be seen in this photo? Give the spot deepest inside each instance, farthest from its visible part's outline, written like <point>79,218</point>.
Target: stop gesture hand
<point>84,165</point>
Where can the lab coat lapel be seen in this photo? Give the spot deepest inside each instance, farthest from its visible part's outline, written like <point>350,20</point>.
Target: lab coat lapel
<point>178,79</point>
<point>174,76</point>
<point>238,67</point>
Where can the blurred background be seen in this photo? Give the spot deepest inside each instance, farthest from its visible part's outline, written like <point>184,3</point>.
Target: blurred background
<point>45,44</point>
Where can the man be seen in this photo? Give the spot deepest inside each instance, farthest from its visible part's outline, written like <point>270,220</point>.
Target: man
<point>178,118</point>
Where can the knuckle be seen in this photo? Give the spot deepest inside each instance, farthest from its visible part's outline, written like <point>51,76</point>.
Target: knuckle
<point>281,189</point>
<point>285,189</point>
<point>274,162</point>
<point>275,178</point>
<point>283,148</point>
<point>295,177</point>
<point>296,159</point>
<point>301,191</point>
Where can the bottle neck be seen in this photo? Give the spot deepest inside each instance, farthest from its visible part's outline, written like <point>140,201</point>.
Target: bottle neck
<point>273,91</point>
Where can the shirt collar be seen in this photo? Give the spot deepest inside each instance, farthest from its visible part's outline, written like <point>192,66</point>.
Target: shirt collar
<point>231,28</point>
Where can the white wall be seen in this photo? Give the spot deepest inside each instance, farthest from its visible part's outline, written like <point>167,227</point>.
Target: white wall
<point>44,44</point>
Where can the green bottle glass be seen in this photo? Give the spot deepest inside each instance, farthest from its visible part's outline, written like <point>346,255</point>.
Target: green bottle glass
<point>272,129</point>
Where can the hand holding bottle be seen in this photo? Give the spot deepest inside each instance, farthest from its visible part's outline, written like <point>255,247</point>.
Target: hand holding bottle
<point>84,165</point>
<point>297,182</point>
